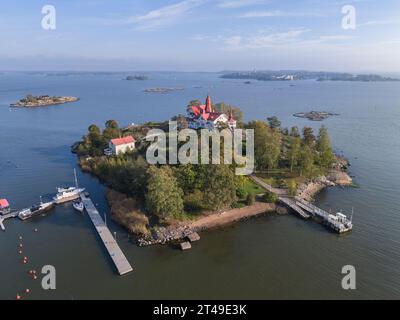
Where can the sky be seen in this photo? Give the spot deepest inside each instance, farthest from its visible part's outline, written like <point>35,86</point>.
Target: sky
<point>200,35</point>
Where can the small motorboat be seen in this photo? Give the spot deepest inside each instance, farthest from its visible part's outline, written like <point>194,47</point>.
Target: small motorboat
<point>78,206</point>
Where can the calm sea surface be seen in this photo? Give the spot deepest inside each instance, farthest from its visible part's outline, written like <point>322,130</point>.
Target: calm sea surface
<point>271,257</point>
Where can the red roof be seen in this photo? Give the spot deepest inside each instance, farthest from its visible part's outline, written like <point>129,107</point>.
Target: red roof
<point>208,104</point>
<point>124,140</point>
<point>214,115</point>
<point>197,110</point>
<point>4,203</point>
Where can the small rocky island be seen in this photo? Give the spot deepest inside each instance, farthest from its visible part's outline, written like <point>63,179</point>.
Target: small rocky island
<point>137,77</point>
<point>162,90</point>
<point>31,101</point>
<point>315,115</point>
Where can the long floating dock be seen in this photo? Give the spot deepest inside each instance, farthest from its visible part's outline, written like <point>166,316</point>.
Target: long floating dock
<point>115,252</point>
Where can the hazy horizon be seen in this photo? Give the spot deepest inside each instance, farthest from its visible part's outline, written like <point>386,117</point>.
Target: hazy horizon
<point>145,71</point>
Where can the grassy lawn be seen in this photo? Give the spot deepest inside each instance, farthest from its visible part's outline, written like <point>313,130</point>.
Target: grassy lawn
<point>280,177</point>
<point>251,187</point>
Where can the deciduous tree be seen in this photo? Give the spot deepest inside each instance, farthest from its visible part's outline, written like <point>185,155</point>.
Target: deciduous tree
<point>164,197</point>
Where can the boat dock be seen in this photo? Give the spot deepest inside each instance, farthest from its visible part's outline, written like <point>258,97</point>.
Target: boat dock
<point>5,217</point>
<point>339,222</point>
<point>290,202</point>
<point>115,252</point>
<point>282,196</point>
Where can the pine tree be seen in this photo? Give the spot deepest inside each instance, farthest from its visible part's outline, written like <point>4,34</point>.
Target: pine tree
<point>308,136</point>
<point>324,148</point>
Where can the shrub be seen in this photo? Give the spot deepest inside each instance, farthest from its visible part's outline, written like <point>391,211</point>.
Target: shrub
<point>241,193</point>
<point>292,187</point>
<point>194,200</point>
<point>270,197</point>
<point>251,198</point>
<point>124,210</point>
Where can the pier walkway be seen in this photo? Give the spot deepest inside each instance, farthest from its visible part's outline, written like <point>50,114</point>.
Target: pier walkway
<point>115,252</point>
<point>5,217</point>
<point>337,222</point>
<point>282,196</point>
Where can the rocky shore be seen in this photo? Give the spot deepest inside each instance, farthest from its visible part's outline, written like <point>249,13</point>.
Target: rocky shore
<point>40,101</point>
<point>337,176</point>
<point>211,220</point>
<point>164,235</point>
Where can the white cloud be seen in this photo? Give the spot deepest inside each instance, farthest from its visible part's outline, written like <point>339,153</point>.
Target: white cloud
<point>273,39</point>
<point>265,39</point>
<point>377,22</point>
<point>233,4</point>
<point>336,38</point>
<point>260,40</point>
<point>165,14</point>
<point>390,42</point>
<point>276,13</point>
<point>234,41</point>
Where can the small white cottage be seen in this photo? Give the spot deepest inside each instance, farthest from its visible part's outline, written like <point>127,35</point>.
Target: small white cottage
<point>121,145</point>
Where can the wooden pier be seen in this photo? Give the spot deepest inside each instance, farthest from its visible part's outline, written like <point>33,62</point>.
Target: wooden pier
<point>5,217</point>
<point>115,252</point>
<point>337,222</point>
<point>283,197</point>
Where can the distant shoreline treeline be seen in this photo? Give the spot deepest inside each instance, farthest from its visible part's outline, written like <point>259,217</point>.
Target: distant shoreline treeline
<point>289,75</point>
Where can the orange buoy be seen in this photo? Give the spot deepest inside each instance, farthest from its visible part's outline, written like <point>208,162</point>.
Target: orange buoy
<point>18,297</point>
<point>27,290</point>
<point>25,262</point>
<point>34,277</point>
<point>34,271</point>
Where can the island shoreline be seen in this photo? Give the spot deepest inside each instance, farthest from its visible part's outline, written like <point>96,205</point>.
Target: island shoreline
<point>209,221</point>
<point>42,101</point>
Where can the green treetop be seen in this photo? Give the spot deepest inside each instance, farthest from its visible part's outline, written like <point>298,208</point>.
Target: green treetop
<point>164,197</point>
<point>324,148</point>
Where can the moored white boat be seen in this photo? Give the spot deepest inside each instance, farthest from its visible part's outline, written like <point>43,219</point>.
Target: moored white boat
<point>78,206</point>
<point>65,194</point>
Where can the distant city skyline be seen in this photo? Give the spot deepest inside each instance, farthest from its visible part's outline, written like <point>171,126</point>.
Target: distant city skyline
<point>201,35</point>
